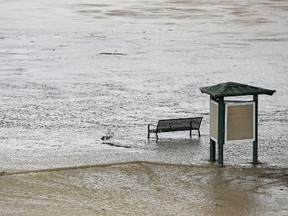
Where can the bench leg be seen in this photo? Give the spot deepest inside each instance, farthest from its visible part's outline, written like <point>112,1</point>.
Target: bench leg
<point>149,136</point>
<point>190,134</point>
<point>199,133</point>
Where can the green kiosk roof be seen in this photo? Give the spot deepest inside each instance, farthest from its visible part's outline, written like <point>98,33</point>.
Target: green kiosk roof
<point>234,89</point>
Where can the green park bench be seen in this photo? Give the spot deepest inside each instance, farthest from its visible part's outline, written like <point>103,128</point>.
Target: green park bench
<point>170,125</point>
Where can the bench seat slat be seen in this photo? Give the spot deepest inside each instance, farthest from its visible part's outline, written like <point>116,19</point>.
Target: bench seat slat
<point>173,129</point>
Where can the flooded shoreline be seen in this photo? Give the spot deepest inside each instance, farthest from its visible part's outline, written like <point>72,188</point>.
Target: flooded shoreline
<point>147,188</point>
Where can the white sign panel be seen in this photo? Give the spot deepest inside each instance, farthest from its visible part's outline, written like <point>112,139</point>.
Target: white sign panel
<point>214,120</point>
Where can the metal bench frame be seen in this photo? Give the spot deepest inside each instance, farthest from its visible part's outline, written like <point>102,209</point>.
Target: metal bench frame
<point>170,125</point>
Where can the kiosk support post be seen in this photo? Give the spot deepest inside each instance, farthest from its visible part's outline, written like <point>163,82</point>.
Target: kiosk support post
<point>212,150</point>
<point>221,127</point>
<point>255,142</point>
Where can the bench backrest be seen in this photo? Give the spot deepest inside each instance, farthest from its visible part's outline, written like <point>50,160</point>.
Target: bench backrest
<point>179,124</point>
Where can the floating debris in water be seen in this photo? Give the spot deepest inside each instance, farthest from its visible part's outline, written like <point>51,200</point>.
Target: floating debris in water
<point>106,137</point>
<point>115,145</point>
<point>113,53</point>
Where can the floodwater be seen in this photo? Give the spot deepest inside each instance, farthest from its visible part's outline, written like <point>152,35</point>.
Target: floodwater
<point>73,71</point>
<point>147,189</point>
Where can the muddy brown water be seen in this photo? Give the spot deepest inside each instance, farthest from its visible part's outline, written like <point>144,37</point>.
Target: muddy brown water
<point>141,188</point>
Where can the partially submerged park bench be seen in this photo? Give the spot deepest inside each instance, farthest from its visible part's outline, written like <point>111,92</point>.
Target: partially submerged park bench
<point>181,124</point>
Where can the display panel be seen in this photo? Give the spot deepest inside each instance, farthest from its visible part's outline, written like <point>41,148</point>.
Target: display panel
<point>240,121</point>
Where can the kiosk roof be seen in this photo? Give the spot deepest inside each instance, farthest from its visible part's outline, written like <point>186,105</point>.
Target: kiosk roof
<point>234,89</point>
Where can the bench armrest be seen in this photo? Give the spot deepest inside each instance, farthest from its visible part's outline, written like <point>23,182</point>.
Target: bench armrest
<point>149,126</point>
